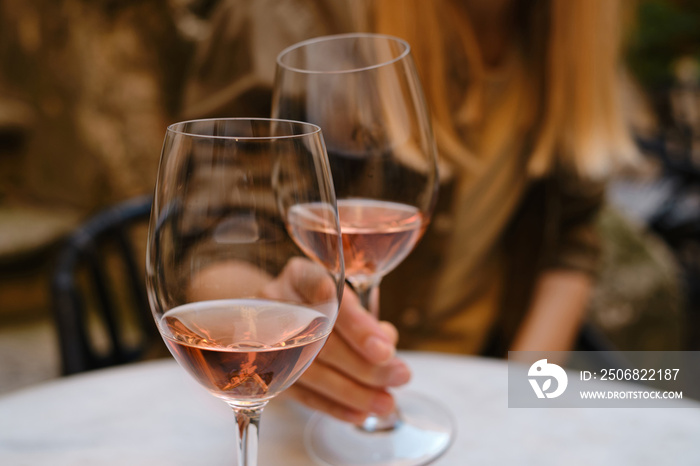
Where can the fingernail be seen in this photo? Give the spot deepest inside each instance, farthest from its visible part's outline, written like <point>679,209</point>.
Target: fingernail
<point>398,374</point>
<point>380,349</point>
<point>382,404</point>
<point>353,417</point>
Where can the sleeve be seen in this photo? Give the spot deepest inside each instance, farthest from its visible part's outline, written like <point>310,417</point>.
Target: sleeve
<point>234,65</point>
<point>571,239</point>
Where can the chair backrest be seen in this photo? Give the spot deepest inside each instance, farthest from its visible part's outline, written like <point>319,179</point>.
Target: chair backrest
<point>98,291</point>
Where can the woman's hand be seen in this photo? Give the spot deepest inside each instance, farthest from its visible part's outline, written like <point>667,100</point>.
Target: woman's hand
<point>349,378</point>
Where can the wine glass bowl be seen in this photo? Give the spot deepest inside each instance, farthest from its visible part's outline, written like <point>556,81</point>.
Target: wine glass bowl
<point>240,304</point>
<point>363,91</point>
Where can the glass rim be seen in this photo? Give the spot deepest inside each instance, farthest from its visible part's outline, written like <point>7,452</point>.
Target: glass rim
<point>406,51</point>
<point>312,128</point>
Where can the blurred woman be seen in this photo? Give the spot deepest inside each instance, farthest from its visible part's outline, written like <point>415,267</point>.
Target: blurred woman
<point>527,111</point>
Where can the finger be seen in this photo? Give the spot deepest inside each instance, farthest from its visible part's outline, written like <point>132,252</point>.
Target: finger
<point>281,289</point>
<point>317,402</point>
<point>227,280</point>
<point>390,331</point>
<point>338,355</point>
<point>336,387</point>
<point>305,281</point>
<point>313,282</point>
<point>362,331</point>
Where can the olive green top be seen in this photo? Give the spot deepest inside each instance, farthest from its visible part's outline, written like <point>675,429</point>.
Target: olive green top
<point>466,285</point>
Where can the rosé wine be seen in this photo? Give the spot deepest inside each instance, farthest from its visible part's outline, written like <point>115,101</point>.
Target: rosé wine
<point>244,350</point>
<point>377,235</point>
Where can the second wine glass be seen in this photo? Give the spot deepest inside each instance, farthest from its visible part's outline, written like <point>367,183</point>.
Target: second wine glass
<point>364,92</point>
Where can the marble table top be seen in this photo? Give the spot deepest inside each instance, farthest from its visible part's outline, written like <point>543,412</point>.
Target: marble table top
<point>154,414</point>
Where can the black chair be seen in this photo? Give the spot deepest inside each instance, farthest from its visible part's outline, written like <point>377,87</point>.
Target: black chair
<point>98,291</point>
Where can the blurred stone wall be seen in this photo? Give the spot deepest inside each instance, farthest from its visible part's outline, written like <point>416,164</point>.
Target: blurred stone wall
<point>96,82</point>
<point>87,88</point>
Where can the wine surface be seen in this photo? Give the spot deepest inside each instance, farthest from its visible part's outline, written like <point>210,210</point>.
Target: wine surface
<point>244,350</point>
<point>377,235</point>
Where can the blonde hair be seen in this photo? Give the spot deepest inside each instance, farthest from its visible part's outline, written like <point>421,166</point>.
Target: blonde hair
<point>566,101</point>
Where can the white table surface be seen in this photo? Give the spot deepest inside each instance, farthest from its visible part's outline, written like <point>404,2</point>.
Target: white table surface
<point>155,414</point>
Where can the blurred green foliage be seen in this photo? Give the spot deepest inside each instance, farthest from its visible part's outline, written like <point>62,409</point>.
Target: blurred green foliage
<point>665,30</point>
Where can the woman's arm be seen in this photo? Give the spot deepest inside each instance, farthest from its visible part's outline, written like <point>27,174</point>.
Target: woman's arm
<point>558,307</point>
<point>571,256</point>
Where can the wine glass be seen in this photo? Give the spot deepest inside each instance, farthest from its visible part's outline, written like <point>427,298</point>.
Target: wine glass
<point>243,303</point>
<point>363,90</point>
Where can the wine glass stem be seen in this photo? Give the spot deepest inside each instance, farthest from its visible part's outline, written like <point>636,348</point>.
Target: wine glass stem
<point>368,292</point>
<point>248,420</point>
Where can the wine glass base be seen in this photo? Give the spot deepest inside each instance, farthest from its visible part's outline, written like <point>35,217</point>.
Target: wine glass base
<point>426,432</point>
